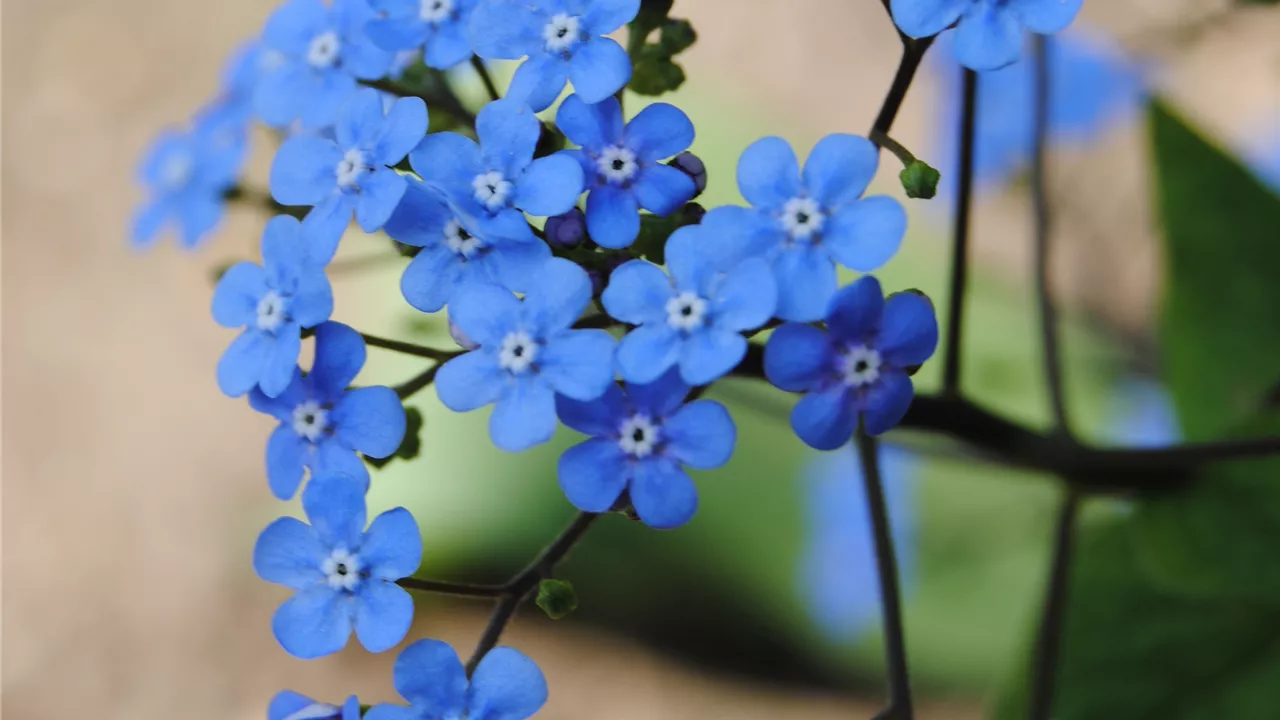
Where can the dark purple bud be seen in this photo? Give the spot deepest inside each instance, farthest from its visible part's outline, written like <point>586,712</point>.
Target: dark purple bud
<point>691,165</point>
<point>461,338</point>
<point>597,281</point>
<point>567,230</point>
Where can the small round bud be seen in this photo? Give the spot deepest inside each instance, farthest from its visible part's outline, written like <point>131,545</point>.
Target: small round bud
<point>461,338</point>
<point>597,281</point>
<point>691,165</point>
<point>557,598</point>
<point>567,230</point>
<point>919,180</point>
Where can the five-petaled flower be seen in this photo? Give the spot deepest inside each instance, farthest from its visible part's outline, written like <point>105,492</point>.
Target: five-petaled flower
<point>273,303</point>
<point>623,164</point>
<point>803,224</point>
<point>988,32</point>
<point>859,367</point>
<point>344,575</point>
<point>694,318</point>
<point>352,173</point>
<point>528,353</point>
<point>320,53</point>
<point>506,685</point>
<point>289,705</point>
<point>563,40</point>
<point>188,173</point>
<point>640,440</point>
<point>440,25</point>
<point>322,423</point>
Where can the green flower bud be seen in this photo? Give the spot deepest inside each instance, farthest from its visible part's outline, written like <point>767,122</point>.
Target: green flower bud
<point>557,598</point>
<point>920,180</point>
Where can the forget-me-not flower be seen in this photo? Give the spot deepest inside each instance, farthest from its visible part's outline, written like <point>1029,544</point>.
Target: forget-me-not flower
<point>455,251</point>
<point>187,175</point>
<point>563,40</point>
<point>641,439</point>
<point>859,367</point>
<point>497,178</point>
<point>528,352</point>
<point>345,576</point>
<point>289,705</point>
<point>321,52</point>
<point>623,164</point>
<point>352,171</point>
<point>804,224</point>
<point>693,318</point>
<point>506,685</point>
<point>440,25</point>
<point>322,423</point>
<point>988,32</point>
<point>273,303</point>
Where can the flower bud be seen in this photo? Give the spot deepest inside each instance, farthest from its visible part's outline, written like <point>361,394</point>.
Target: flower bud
<point>919,180</point>
<point>557,598</point>
<point>691,165</point>
<point>567,230</point>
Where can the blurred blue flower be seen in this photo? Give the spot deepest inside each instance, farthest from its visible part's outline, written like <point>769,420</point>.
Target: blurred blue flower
<point>693,319</point>
<point>322,423</point>
<point>804,224</point>
<point>528,353</point>
<point>988,32</point>
<point>320,52</point>
<point>1265,159</point>
<point>455,251</point>
<point>289,705</point>
<point>857,367</point>
<point>563,40</point>
<point>351,172</point>
<point>506,686</point>
<point>273,303</point>
<point>344,575</point>
<point>838,577</point>
<point>1144,415</point>
<point>641,439</point>
<point>188,175</point>
<point>623,165</point>
<point>440,25</point>
<point>566,230</point>
<point>494,180</point>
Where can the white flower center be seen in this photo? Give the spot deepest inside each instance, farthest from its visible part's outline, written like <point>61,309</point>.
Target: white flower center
<point>310,420</point>
<point>316,711</point>
<point>176,170</point>
<point>324,49</point>
<point>270,311</point>
<point>459,240</point>
<point>617,164</point>
<point>562,33</point>
<point>518,352</point>
<point>342,568</point>
<point>638,436</point>
<point>686,311</point>
<point>492,189</point>
<point>350,168</point>
<point>860,366</point>
<point>434,11</point>
<point>802,218</point>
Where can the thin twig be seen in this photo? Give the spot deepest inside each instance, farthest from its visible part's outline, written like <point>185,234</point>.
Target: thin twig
<point>1049,636</point>
<point>448,588</point>
<point>483,71</point>
<point>960,261</point>
<point>884,140</point>
<point>410,387</point>
<point>912,54</point>
<point>410,348</point>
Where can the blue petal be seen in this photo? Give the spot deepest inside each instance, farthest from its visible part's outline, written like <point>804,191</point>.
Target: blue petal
<point>733,234</point>
<point>334,458</point>
<point>351,708</point>
<point>613,217</point>
<point>710,354</point>
<point>384,612</point>
<point>429,675</point>
<point>524,416</point>
<point>987,38</point>
<point>507,225</point>
<point>517,264</point>
<point>404,127</point>
<point>199,214</point>
<point>658,132</point>
<point>380,193</point>
<point>281,406</point>
<point>323,99</point>
<point>797,357</point>
<point>806,281</point>
<point>909,331</point>
<point>637,293</point>
<point>550,186</point>
<point>662,189</point>
<point>392,547</point>
<point>359,123</point>
<point>887,401</point>
<point>839,169</point>
<point>599,417</point>
<point>147,223</point>
<point>312,302</point>
<point>507,686</point>
<point>855,311</point>
<point>594,474</point>
<point>292,26</point>
<point>447,160</point>
<point>362,59</point>
<point>701,435</point>
<point>599,68</point>
<point>449,47</point>
<point>282,252</point>
<point>371,420</point>
<point>746,297</point>
<point>431,279</point>
<point>922,18</point>
<point>397,33</point>
<point>421,216</point>
<point>556,297</point>
<point>768,173</point>
<point>825,419</point>
<point>539,81</point>
<point>286,703</point>
<point>662,493</point>
<point>508,133</point>
<point>340,354</point>
<point>661,397</point>
<point>235,299</point>
<point>604,16</point>
<point>1044,16</point>
<point>324,226</point>
<point>578,364</point>
<point>506,30</point>
<point>647,352</point>
<point>286,460</point>
<point>486,313</point>
<point>289,553</point>
<point>386,711</point>
<point>335,507</point>
<point>280,360</point>
<point>303,170</point>
<point>470,381</point>
<point>241,365</point>
<point>590,126</point>
<point>314,623</point>
<point>279,96</point>
<point>865,235</point>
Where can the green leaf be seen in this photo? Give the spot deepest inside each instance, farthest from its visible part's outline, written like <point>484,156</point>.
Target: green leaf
<point>412,443</point>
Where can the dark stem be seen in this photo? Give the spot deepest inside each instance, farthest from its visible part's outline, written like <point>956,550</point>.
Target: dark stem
<point>263,199</point>
<point>882,139</point>
<point>960,261</point>
<point>410,348</point>
<point>448,588</point>
<point>410,387</point>
<point>1049,636</point>
<point>912,53</point>
<point>895,651</point>
<point>483,71</point>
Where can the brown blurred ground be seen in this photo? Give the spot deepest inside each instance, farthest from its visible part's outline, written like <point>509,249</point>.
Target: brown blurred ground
<point>133,489</point>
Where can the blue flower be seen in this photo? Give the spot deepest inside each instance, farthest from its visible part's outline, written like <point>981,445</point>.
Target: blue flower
<point>289,705</point>
<point>641,439</point>
<point>988,32</point>
<point>344,576</point>
<point>455,251</point>
<point>563,40</point>
<point>494,180</point>
<point>838,578</point>
<point>321,51</point>
<point>859,367</point>
<point>528,353</point>
<point>273,303</point>
<point>188,175</point>
<point>1144,415</point>
<point>322,423</point>
<point>352,173</point>
<point>440,25</point>
<point>804,224</point>
<point>506,686</point>
<point>623,165</point>
<point>693,319</point>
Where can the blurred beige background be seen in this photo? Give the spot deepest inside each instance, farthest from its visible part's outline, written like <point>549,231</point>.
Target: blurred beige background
<point>133,489</point>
